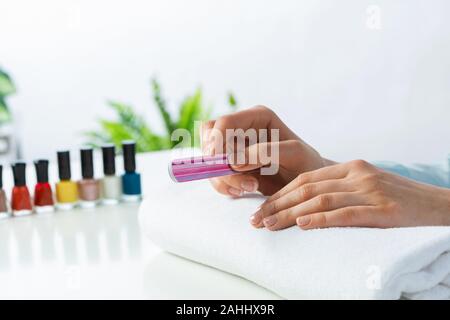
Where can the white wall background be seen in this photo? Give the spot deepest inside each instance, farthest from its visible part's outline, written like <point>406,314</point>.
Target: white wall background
<point>349,89</point>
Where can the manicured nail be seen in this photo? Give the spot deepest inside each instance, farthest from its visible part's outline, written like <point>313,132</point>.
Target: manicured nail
<point>249,186</point>
<point>303,221</point>
<point>270,221</point>
<point>235,192</point>
<point>234,160</point>
<point>240,159</point>
<point>255,219</point>
<point>206,135</point>
<point>210,150</point>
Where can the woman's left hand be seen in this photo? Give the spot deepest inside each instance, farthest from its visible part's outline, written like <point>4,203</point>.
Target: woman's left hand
<point>354,194</point>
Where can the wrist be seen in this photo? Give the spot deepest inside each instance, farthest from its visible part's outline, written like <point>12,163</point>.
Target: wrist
<point>444,207</point>
<point>447,210</point>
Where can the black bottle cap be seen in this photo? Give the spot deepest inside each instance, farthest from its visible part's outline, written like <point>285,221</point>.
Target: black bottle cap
<point>87,163</point>
<point>129,155</point>
<point>41,170</point>
<point>64,165</point>
<point>19,173</point>
<point>1,176</point>
<point>109,159</point>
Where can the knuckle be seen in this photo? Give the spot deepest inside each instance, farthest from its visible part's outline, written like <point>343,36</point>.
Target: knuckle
<point>207,124</point>
<point>324,202</point>
<point>269,208</point>
<point>306,191</point>
<point>294,143</point>
<point>371,181</point>
<point>274,207</point>
<point>391,207</point>
<point>265,208</point>
<point>320,220</point>
<point>298,181</point>
<point>286,215</point>
<point>225,121</point>
<point>271,198</point>
<point>348,217</point>
<point>262,108</point>
<point>360,164</point>
<point>379,195</point>
<point>302,179</point>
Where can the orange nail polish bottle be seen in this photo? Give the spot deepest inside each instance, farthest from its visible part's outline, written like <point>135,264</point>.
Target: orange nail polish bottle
<point>20,198</point>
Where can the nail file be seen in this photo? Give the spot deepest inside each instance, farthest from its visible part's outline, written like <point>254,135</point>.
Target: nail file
<point>197,168</point>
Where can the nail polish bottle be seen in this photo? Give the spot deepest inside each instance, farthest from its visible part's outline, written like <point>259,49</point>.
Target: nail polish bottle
<point>43,195</point>
<point>4,212</point>
<point>131,180</point>
<point>111,184</point>
<point>20,198</point>
<point>66,189</point>
<point>88,187</point>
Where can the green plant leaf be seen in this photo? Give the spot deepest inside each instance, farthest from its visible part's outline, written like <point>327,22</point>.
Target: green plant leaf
<point>6,85</point>
<point>127,116</point>
<point>232,101</point>
<point>136,129</point>
<point>96,138</point>
<point>5,115</point>
<point>117,131</point>
<point>130,125</point>
<point>162,107</point>
<point>191,109</point>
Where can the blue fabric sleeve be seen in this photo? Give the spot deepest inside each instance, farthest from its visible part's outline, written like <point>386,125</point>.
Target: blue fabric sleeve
<point>435,175</point>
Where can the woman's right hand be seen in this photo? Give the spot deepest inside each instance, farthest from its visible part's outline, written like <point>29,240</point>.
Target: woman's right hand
<point>295,156</point>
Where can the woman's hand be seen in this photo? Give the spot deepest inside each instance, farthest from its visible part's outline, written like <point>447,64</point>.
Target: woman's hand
<point>354,194</point>
<point>295,156</point>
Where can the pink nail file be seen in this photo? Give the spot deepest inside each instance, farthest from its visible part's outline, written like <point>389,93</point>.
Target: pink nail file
<point>197,168</point>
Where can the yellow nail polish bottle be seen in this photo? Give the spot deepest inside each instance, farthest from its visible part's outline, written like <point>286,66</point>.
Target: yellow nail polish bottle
<point>66,189</point>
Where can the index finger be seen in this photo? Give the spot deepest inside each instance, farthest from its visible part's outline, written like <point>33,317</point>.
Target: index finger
<point>337,171</point>
<point>205,131</point>
<point>258,117</point>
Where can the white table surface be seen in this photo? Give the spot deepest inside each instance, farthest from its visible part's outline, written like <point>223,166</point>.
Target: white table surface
<point>101,253</point>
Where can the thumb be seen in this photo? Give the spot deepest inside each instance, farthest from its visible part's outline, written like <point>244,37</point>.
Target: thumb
<point>264,154</point>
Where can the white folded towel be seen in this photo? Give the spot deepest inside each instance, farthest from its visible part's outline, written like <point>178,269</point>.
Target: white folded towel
<point>192,221</point>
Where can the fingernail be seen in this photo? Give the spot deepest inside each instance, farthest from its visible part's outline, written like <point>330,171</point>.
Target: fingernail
<point>235,192</point>
<point>211,135</point>
<point>206,135</point>
<point>270,221</point>
<point>249,186</point>
<point>303,221</point>
<point>209,150</point>
<point>255,219</point>
<point>204,145</point>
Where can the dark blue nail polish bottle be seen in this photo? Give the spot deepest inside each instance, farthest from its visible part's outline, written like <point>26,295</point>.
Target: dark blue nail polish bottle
<point>131,180</point>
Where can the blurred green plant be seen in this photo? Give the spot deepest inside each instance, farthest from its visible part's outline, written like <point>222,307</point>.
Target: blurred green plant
<point>6,88</point>
<point>131,125</point>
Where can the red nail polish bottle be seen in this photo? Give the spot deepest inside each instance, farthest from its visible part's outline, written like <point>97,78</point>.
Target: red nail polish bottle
<point>20,198</point>
<point>43,195</point>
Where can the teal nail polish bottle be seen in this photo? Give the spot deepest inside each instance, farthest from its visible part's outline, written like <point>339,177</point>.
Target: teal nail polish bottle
<point>131,180</point>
